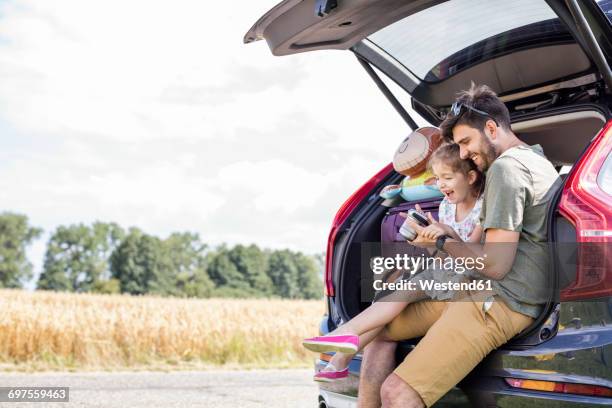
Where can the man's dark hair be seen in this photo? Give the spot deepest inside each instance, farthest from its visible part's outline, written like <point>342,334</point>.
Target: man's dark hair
<point>480,97</point>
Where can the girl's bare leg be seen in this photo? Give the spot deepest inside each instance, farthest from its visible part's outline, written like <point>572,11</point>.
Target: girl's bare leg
<point>379,313</point>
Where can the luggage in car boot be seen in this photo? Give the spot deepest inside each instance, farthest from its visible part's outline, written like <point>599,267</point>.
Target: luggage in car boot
<point>392,242</point>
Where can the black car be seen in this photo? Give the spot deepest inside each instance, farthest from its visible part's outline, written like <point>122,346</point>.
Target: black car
<point>549,61</point>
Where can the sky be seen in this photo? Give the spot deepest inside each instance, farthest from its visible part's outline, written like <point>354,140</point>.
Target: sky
<point>156,115</point>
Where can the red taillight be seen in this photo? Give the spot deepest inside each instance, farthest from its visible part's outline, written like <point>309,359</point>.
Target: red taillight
<point>585,204</point>
<point>343,213</point>
<point>560,387</point>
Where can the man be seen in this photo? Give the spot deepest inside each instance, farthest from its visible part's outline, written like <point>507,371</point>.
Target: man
<point>520,183</point>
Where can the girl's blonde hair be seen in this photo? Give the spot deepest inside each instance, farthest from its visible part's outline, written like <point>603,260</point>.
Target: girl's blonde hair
<point>448,154</point>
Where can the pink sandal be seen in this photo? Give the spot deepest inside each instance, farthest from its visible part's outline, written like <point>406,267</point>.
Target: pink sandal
<point>331,375</point>
<point>343,344</point>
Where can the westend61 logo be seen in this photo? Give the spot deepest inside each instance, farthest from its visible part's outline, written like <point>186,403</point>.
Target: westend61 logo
<point>409,266</point>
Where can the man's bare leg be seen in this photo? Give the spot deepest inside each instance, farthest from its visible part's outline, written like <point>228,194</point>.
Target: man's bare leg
<point>341,360</point>
<point>378,362</point>
<point>396,393</point>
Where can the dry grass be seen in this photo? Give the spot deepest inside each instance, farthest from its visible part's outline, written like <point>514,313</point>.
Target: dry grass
<point>61,331</point>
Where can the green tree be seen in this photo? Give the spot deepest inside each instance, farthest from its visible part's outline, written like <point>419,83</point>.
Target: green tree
<point>188,257</point>
<point>251,263</point>
<point>240,272</point>
<point>110,286</point>
<point>309,281</point>
<point>77,257</point>
<point>15,235</point>
<point>224,272</point>
<point>283,272</point>
<point>295,275</point>
<point>142,265</point>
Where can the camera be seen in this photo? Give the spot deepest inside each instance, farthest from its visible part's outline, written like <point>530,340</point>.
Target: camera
<point>406,230</point>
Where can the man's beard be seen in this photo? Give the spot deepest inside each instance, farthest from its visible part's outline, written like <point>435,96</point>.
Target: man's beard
<point>487,155</point>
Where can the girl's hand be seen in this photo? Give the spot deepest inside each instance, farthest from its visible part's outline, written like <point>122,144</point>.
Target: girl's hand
<point>445,228</point>
<point>422,239</point>
<point>428,214</point>
<point>433,231</point>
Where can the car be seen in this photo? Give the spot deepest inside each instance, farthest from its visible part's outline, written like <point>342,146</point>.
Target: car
<point>549,61</point>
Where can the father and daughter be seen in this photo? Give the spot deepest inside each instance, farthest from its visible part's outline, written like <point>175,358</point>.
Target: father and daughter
<point>462,184</point>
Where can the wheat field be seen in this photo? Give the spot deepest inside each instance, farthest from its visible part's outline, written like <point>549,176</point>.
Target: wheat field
<point>63,331</point>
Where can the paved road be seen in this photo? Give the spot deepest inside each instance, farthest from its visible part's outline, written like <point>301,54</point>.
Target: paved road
<point>210,389</point>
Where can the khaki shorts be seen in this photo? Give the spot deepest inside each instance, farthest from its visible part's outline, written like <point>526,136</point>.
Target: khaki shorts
<point>458,335</point>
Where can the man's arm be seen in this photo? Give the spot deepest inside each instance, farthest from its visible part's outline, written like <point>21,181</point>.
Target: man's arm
<point>508,191</point>
<point>497,252</point>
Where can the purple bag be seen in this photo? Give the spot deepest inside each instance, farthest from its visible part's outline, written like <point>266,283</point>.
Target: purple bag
<point>393,243</point>
<point>392,221</point>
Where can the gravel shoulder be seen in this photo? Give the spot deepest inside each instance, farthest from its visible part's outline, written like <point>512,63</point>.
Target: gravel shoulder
<point>210,389</point>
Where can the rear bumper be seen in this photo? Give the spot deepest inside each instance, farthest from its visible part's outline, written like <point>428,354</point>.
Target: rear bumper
<point>329,399</point>
<point>574,355</point>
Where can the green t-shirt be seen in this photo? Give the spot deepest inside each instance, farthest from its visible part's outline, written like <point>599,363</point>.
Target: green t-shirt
<point>519,187</point>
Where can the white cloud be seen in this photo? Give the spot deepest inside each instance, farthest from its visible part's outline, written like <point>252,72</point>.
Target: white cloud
<point>273,185</point>
<point>155,114</point>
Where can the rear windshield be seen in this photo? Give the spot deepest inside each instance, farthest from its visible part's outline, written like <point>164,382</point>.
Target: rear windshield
<point>606,7</point>
<point>433,46</point>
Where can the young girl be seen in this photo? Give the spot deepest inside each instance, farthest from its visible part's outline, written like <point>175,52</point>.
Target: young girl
<point>461,183</point>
